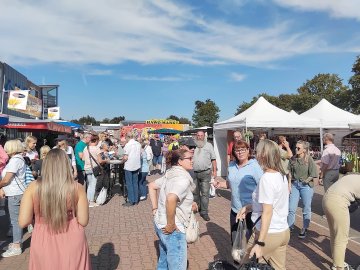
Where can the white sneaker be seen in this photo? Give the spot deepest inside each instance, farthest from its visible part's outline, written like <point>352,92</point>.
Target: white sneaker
<point>30,228</point>
<point>142,198</point>
<point>93,204</point>
<point>5,248</point>
<point>11,252</point>
<point>346,267</point>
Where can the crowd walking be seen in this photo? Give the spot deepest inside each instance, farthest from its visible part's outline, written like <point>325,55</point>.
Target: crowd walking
<point>265,183</point>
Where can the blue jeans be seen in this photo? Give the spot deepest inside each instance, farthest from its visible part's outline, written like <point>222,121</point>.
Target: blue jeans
<point>173,250</point>
<point>305,192</point>
<point>14,207</point>
<point>91,184</point>
<point>143,184</point>
<point>132,185</point>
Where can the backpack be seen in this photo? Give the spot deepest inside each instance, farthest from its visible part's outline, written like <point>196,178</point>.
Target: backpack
<point>28,172</point>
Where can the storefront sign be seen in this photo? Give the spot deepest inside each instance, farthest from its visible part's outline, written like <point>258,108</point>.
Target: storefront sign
<point>162,121</point>
<point>18,99</point>
<point>47,126</point>
<point>54,113</point>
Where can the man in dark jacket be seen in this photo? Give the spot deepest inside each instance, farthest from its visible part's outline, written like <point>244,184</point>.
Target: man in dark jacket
<point>156,145</point>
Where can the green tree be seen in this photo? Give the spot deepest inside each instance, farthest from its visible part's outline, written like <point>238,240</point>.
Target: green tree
<point>184,120</point>
<point>354,81</point>
<point>117,120</point>
<point>205,113</point>
<point>86,120</point>
<point>173,117</point>
<point>105,121</point>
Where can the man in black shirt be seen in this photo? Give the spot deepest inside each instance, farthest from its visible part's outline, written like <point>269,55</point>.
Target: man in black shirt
<point>156,145</point>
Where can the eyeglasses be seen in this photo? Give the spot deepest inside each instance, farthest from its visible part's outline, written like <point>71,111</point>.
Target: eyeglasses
<point>189,158</point>
<point>241,150</point>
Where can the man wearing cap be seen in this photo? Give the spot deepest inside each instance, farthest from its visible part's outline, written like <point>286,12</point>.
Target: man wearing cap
<point>204,168</point>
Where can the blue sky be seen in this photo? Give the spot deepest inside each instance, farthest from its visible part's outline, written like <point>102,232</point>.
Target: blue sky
<point>149,59</point>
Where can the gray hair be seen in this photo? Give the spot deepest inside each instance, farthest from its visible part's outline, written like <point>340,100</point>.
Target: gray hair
<point>329,137</point>
<point>103,143</point>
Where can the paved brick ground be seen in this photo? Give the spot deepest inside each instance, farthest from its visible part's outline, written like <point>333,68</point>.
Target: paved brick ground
<point>123,238</point>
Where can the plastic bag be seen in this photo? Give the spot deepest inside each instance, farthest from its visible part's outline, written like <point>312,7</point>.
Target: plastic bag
<point>101,198</point>
<point>255,265</point>
<point>212,190</point>
<point>239,244</point>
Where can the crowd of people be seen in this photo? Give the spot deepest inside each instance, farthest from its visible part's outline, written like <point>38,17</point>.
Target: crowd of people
<point>266,185</point>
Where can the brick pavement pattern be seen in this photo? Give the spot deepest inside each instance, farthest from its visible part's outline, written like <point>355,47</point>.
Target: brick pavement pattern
<point>124,238</point>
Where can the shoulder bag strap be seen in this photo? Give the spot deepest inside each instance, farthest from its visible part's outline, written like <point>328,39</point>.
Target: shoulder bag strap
<point>16,177</point>
<point>92,158</point>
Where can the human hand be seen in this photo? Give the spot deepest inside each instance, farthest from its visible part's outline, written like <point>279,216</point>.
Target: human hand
<point>241,214</point>
<point>169,228</point>
<point>285,144</point>
<point>194,207</point>
<point>257,251</point>
<point>154,211</point>
<point>217,184</point>
<point>2,193</point>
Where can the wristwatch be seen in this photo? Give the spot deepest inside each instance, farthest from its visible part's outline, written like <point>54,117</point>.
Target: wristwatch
<point>261,244</point>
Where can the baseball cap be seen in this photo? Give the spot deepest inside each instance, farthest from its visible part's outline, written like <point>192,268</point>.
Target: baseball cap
<point>188,141</point>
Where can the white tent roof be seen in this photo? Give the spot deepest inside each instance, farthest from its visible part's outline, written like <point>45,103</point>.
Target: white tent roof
<point>331,116</point>
<point>263,114</point>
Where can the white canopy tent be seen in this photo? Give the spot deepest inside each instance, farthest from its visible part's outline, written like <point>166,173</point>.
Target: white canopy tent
<point>333,119</point>
<point>261,115</point>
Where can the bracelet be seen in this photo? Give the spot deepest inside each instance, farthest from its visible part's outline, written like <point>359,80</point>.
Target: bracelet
<point>261,244</point>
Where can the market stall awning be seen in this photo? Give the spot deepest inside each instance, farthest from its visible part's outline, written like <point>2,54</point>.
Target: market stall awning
<point>69,124</point>
<point>4,119</point>
<point>45,126</point>
<point>35,125</point>
<point>165,131</point>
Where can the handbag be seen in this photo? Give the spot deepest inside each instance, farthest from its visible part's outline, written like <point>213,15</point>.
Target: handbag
<point>97,171</point>
<point>192,230</point>
<point>255,265</point>
<point>101,198</point>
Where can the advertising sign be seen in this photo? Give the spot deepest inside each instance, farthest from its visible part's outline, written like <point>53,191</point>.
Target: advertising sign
<point>18,99</point>
<point>54,113</point>
<point>33,105</point>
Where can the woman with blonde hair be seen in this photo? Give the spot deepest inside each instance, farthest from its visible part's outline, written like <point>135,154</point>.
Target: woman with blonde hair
<point>303,171</point>
<point>269,208</point>
<point>63,144</point>
<point>30,144</point>
<point>61,213</point>
<point>13,186</point>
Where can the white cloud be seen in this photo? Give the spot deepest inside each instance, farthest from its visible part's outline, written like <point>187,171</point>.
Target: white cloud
<point>158,31</point>
<point>237,76</point>
<point>133,77</point>
<point>337,8</point>
<point>99,72</point>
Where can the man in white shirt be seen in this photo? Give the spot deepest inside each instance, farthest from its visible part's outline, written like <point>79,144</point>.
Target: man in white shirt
<point>132,153</point>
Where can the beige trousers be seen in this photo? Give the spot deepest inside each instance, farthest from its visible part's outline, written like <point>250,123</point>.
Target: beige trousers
<point>338,217</point>
<point>274,250</point>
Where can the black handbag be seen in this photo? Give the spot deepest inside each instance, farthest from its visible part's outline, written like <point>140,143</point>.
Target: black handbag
<point>98,170</point>
<point>354,206</point>
<point>254,264</point>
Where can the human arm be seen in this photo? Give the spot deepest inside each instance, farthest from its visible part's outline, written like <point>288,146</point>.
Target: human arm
<point>3,156</point>
<point>82,208</point>
<point>221,184</point>
<point>26,206</point>
<point>214,168</point>
<point>289,153</point>
<point>153,196</point>
<point>2,193</point>
<point>228,159</point>
<point>243,211</point>
<point>171,202</point>
<point>265,224</point>
<point>7,179</point>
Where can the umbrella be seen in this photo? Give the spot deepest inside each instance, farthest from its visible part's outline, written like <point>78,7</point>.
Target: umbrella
<point>165,131</point>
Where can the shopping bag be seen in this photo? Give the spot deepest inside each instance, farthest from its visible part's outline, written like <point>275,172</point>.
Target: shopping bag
<point>239,244</point>
<point>101,198</point>
<point>221,265</point>
<point>212,191</point>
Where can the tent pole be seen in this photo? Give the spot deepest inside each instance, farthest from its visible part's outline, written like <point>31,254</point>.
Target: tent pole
<point>321,140</point>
